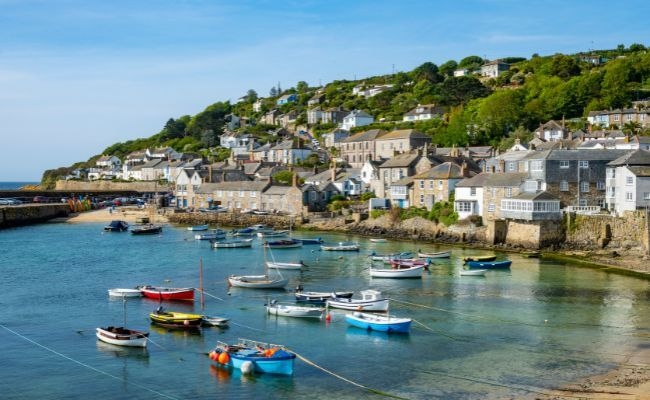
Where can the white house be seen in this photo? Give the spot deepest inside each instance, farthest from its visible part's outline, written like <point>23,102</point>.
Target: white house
<point>628,182</point>
<point>424,112</point>
<point>356,118</point>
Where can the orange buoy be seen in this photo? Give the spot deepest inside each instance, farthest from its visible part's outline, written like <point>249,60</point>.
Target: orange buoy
<point>223,358</point>
<point>213,355</point>
<point>328,317</point>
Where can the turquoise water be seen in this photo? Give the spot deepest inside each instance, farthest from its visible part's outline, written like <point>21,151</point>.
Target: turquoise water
<point>510,334</point>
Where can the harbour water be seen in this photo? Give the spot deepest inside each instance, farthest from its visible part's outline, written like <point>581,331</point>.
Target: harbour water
<point>510,334</point>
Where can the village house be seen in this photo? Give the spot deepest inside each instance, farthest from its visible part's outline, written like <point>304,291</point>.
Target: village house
<point>359,148</point>
<point>368,91</point>
<point>289,152</point>
<point>238,195</point>
<point>271,117</point>
<point>628,182</point>
<point>399,141</point>
<point>186,186</point>
<point>482,194</point>
<point>286,99</point>
<point>356,118</point>
<point>493,69</point>
<point>316,99</point>
<point>424,112</point>
<point>393,170</point>
<point>314,115</point>
<point>332,139</point>
<point>258,104</point>
<point>283,198</point>
<point>400,192</point>
<point>438,183</point>
<point>619,117</point>
<point>552,131</point>
<point>334,115</point>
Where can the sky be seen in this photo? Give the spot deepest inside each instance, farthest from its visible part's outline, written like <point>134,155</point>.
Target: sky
<point>77,76</point>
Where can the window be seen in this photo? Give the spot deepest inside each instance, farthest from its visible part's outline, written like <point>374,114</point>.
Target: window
<point>431,184</point>
<point>564,164</point>
<point>472,191</point>
<point>230,194</point>
<point>564,186</point>
<point>611,191</point>
<point>584,186</point>
<point>601,203</point>
<point>600,185</point>
<point>421,199</point>
<point>511,166</point>
<point>508,192</point>
<point>582,203</point>
<point>629,180</point>
<point>440,185</point>
<point>537,165</point>
<point>463,206</point>
<point>611,173</point>
<point>491,207</point>
<point>583,164</point>
<point>253,193</point>
<point>646,195</point>
<point>628,196</point>
<point>422,184</point>
<point>219,193</point>
<point>241,193</point>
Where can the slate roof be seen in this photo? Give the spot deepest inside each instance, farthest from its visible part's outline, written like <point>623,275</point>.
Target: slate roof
<point>535,196</point>
<point>635,157</point>
<point>401,160</point>
<point>403,134</point>
<point>406,181</point>
<point>484,179</point>
<point>446,170</point>
<point>364,136</point>
<point>640,170</point>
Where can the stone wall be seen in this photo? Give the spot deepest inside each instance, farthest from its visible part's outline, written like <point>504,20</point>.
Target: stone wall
<point>629,230</point>
<point>31,214</point>
<point>534,234</point>
<point>233,219</point>
<point>81,186</point>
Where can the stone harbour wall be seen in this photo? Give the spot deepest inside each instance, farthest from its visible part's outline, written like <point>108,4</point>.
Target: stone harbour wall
<point>12,216</point>
<point>628,231</point>
<point>81,186</point>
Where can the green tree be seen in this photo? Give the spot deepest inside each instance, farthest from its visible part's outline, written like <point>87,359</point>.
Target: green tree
<point>212,118</point>
<point>427,72</point>
<point>448,68</point>
<point>471,62</point>
<point>302,87</point>
<point>283,177</point>
<point>459,90</point>
<point>251,96</point>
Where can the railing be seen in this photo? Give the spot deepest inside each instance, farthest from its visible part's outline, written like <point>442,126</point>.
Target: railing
<point>583,209</point>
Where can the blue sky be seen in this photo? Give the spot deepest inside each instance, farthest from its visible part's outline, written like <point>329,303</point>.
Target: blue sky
<point>79,75</point>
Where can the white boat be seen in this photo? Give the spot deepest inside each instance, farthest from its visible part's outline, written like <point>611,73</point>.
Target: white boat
<point>119,292</point>
<point>414,271</point>
<point>392,256</point>
<point>371,300</point>
<point>438,254</point>
<point>284,265</point>
<point>226,244</point>
<point>259,281</point>
<point>381,323</point>
<point>292,310</point>
<point>378,240</point>
<point>220,322</point>
<point>122,337</point>
<point>203,227</point>
<point>213,234</point>
<point>473,272</point>
<point>341,246</point>
<point>264,234</point>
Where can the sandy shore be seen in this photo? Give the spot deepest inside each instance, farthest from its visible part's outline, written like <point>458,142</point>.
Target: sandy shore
<point>630,381</point>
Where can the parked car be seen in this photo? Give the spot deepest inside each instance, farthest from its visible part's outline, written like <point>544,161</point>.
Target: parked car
<point>40,199</point>
<point>9,202</point>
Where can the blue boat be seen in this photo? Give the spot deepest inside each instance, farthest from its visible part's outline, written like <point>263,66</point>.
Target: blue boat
<point>251,356</point>
<point>243,232</point>
<point>489,264</point>
<point>381,323</point>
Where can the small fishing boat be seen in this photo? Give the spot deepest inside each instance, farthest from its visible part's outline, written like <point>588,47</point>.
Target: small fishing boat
<point>284,265</point>
<point>148,229</point>
<point>220,322</point>
<point>410,262</point>
<point>414,271</point>
<point>371,300</point>
<point>203,227</point>
<point>392,256</point>
<point>265,234</point>
<point>117,226</point>
<point>252,356</point>
<point>260,228</point>
<point>310,240</point>
<point>245,232</point>
<point>293,310</point>
<point>381,323</point>
<point>257,281</point>
<point>120,336</point>
<point>167,293</point>
<point>120,292</point>
<point>378,240</point>
<point>212,234</point>
<point>473,272</point>
<point>233,243</point>
<point>436,254</point>
<point>283,244</point>
<point>320,297</point>
<point>174,319</point>
<point>341,246</point>
<point>489,264</point>
<point>480,258</point>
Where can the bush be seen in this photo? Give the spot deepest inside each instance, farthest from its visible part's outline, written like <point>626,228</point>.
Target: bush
<point>377,213</point>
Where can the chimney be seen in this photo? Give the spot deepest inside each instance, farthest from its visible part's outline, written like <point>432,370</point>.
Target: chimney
<point>334,173</point>
<point>294,181</point>
<point>223,175</point>
<point>463,169</point>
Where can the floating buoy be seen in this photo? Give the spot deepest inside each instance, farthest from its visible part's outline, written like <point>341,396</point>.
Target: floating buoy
<point>328,317</point>
<point>212,355</point>
<point>186,322</point>
<point>247,367</point>
<point>223,358</point>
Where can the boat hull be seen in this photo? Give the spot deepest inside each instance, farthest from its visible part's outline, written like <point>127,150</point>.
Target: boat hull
<point>413,272</point>
<point>122,337</point>
<point>146,230</point>
<point>264,359</point>
<point>379,323</point>
<point>358,305</point>
<point>231,244</point>
<point>439,254</point>
<point>341,247</point>
<point>295,311</point>
<point>480,258</point>
<point>196,228</point>
<point>489,264</point>
<point>473,272</point>
<point>164,293</point>
<point>283,244</point>
<point>321,297</point>
<point>283,265</point>
<point>176,320</point>
<point>118,292</point>
<point>257,282</point>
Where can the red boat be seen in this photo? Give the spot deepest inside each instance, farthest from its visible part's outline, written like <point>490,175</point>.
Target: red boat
<point>167,293</point>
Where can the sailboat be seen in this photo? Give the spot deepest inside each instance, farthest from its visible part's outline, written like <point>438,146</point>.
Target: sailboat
<point>259,281</point>
<point>121,336</point>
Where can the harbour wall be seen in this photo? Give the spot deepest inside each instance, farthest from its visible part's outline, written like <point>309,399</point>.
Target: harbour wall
<point>12,216</point>
<point>627,231</point>
<point>84,187</point>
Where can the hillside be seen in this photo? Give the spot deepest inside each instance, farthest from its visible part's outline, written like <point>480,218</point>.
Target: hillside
<point>478,110</point>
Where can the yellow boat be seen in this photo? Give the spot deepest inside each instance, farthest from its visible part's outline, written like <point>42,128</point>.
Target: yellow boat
<point>174,319</point>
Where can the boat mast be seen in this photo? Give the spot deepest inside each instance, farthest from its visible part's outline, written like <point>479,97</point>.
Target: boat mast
<point>201,283</point>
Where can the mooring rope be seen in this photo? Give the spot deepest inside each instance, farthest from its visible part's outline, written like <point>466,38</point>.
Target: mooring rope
<point>208,294</point>
<point>313,364</point>
<point>86,365</point>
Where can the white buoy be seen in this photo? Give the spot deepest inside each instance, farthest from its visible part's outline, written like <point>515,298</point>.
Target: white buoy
<point>247,367</point>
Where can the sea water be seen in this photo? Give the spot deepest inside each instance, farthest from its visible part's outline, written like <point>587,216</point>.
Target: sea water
<point>511,333</point>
